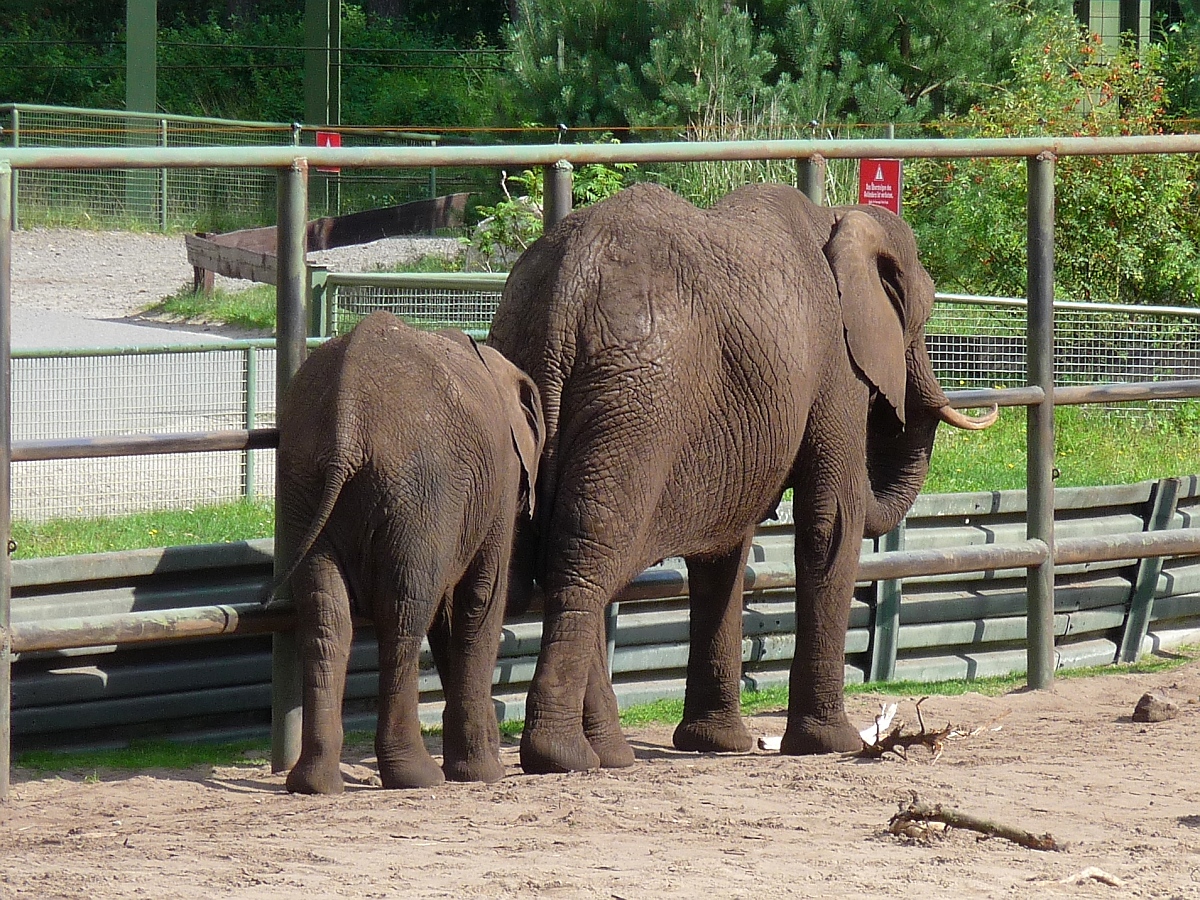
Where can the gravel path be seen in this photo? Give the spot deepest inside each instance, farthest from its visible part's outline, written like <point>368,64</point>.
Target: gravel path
<point>117,274</point>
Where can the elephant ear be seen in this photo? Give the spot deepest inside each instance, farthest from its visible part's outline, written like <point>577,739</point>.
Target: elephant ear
<point>522,404</point>
<point>867,273</point>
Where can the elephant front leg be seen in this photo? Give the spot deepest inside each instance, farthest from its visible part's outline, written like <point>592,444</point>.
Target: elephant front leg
<point>828,542</point>
<point>399,748</point>
<point>712,712</point>
<point>324,632</point>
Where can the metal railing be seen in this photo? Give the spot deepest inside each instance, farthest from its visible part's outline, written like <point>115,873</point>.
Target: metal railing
<point>1036,553</point>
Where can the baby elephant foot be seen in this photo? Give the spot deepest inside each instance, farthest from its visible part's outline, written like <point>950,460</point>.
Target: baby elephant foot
<point>485,768</point>
<point>544,751</point>
<point>308,777</point>
<point>420,772</point>
<point>728,735</point>
<point>807,735</point>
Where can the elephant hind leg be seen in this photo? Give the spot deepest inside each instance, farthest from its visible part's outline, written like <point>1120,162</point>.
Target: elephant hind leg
<point>712,714</point>
<point>464,638</point>
<point>404,762</point>
<point>324,632</point>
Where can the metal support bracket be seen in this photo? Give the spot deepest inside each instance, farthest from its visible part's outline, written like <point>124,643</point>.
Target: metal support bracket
<point>885,624</point>
<point>1164,500</point>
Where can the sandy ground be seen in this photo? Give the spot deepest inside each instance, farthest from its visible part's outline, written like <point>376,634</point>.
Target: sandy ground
<point>1122,797</point>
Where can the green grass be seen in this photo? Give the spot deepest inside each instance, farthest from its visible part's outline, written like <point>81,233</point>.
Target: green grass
<point>252,308</point>
<point>143,754</point>
<point>1094,447</point>
<point>161,528</point>
<point>170,755</point>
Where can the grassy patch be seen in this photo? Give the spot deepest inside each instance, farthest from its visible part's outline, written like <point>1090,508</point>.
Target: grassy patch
<point>252,308</point>
<point>1094,447</point>
<point>141,755</point>
<point>160,528</point>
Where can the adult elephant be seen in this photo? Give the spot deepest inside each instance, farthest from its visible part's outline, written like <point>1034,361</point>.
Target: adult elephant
<point>405,461</point>
<point>693,364</point>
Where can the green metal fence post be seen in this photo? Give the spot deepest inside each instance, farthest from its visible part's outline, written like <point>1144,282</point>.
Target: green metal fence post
<point>1039,469</point>
<point>810,177</point>
<point>162,175</point>
<point>248,468</point>
<point>885,625</point>
<point>320,314</point>
<point>433,175</point>
<point>290,327</point>
<point>556,194</point>
<point>1164,502</point>
<point>15,176</point>
<point>6,182</point>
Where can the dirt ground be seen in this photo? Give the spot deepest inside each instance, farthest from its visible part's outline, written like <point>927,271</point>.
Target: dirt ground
<point>1123,797</point>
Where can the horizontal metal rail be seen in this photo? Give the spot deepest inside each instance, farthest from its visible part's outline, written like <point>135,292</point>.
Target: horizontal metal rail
<point>145,444</point>
<point>268,438</point>
<point>147,350</point>
<point>418,281</point>
<point>584,154</point>
<point>1182,312</point>
<point>253,618</point>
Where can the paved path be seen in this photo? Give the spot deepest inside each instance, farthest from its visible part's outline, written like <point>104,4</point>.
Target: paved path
<point>41,329</point>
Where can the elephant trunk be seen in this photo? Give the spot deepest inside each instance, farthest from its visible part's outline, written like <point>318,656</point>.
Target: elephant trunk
<point>898,456</point>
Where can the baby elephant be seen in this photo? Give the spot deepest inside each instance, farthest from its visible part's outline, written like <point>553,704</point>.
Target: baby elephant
<point>406,460</point>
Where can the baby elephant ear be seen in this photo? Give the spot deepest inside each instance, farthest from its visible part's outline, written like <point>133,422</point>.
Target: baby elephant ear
<point>522,404</point>
<point>861,260</point>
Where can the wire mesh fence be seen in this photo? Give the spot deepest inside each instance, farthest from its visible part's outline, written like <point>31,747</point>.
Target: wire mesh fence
<point>199,199</point>
<point>978,342</point>
<point>974,343</point>
<point>468,310</point>
<point>96,395</point>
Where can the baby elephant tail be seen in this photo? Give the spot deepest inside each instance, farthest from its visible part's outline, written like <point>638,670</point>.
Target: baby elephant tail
<point>334,482</point>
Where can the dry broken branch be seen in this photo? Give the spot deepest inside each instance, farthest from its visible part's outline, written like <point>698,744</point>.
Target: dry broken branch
<point>920,811</point>
<point>895,741</point>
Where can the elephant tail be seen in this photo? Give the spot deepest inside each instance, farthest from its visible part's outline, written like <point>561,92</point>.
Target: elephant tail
<point>334,482</point>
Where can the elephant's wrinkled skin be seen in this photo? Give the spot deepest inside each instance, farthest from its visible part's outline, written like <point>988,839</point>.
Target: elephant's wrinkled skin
<point>405,461</point>
<point>692,365</point>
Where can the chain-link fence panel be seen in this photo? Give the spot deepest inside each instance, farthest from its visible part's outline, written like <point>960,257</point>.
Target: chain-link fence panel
<point>82,396</point>
<point>976,343</point>
<point>467,309</point>
<point>214,199</point>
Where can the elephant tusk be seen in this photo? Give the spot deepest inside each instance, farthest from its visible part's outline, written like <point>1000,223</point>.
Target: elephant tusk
<point>953,417</point>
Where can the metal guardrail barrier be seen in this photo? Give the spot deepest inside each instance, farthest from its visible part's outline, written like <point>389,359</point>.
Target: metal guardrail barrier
<point>136,618</point>
<point>292,168</point>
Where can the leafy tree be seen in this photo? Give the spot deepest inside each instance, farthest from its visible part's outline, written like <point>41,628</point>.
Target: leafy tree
<point>1126,227</point>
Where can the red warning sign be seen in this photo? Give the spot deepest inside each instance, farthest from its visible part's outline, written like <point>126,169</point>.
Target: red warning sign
<point>329,139</point>
<point>880,182</point>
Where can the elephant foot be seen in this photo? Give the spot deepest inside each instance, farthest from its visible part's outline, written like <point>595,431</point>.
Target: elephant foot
<point>413,773</point>
<point>807,736</point>
<point>613,751</point>
<point>307,777</point>
<point>487,769</point>
<point>543,753</point>
<point>713,736</point>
